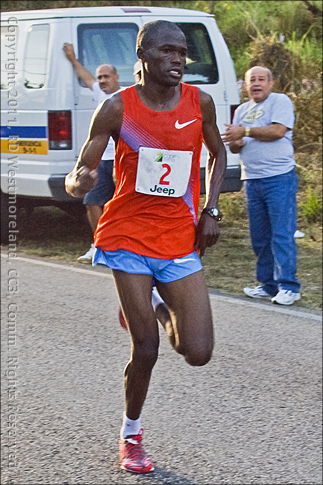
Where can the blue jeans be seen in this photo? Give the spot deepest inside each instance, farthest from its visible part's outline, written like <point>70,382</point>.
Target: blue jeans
<point>104,189</point>
<point>272,223</point>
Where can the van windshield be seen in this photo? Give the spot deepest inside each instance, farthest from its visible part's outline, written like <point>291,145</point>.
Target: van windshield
<point>108,43</point>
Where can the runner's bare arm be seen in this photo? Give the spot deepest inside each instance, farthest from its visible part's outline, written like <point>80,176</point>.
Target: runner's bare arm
<point>106,122</point>
<point>207,232</point>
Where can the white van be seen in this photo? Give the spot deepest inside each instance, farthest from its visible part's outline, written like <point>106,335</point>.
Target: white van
<point>46,110</point>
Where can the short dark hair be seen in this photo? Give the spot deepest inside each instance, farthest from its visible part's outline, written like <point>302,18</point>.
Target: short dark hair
<point>150,31</point>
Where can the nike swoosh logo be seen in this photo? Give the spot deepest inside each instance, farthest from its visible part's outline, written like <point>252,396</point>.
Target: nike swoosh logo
<point>179,125</point>
<point>180,260</point>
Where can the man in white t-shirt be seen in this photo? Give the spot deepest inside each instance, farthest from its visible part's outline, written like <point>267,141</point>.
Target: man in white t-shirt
<point>262,133</point>
<point>104,86</point>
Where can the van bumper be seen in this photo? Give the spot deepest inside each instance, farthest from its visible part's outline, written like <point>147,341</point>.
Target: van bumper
<point>231,183</point>
<point>57,187</point>
<point>232,180</point>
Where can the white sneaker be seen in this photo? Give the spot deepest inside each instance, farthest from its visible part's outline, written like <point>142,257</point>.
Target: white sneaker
<point>87,257</point>
<point>299,233</point>
<point>286,297</point>
<point>257,292</point>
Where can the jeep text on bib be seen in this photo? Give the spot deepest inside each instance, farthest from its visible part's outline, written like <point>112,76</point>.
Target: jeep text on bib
<point>163,172</point>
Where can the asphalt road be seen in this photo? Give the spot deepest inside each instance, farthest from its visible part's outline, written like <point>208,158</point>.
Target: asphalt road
<point>251,416</point>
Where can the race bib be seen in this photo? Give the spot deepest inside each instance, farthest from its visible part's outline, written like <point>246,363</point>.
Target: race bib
<point>163,172</point>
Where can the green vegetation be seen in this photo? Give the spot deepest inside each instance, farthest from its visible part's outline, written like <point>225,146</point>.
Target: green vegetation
<point>311,207</point>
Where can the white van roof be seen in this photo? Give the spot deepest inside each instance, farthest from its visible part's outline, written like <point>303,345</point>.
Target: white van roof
<point>104,11</point>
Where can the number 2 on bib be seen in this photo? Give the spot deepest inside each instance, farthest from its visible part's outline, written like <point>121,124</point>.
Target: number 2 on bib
<point>162,180</point>
<point>162,172</point>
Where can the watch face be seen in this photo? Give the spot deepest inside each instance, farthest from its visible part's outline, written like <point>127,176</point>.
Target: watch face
<point>214,212</point>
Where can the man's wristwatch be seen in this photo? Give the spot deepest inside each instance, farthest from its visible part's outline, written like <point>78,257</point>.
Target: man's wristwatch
<point>213,212</point>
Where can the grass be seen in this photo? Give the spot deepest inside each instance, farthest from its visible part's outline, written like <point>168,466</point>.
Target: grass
<point>51,232</point>
<point>228,266</point>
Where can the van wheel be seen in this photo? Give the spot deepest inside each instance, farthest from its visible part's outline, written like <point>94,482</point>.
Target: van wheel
<point>4,219</point>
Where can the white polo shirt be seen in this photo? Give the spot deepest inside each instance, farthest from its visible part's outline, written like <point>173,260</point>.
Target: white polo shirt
<point>99,96</point>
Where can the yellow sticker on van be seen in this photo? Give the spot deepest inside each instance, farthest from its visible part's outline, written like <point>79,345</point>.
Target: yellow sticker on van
<point>24,147</point>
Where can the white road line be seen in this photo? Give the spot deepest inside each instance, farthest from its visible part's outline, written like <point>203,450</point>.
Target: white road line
<point>92,271</point>
<point>232,300</point>
<point>299,313</point>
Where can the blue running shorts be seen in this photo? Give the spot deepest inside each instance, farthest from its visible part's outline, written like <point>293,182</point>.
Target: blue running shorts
<point>163,270</point>
<point>104,189</point>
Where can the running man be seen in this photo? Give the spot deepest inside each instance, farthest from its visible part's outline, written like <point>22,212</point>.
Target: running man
<point>149,232</point>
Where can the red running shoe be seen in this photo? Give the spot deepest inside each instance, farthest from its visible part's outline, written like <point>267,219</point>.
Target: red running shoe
<point>122,320</point>
<point>133,457</point>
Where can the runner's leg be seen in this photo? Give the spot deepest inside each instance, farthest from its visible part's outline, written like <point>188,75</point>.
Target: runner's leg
<point>164,317</point>
<point>188,303</point>
<point>135,296</point>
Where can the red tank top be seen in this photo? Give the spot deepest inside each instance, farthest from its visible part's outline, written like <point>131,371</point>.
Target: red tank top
<point>153,225</point>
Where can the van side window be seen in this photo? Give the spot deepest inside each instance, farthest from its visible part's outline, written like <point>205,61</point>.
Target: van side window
<point>201,66</point>
<point>36,53</point>
<point>9,42</point>
<point>109,44</point>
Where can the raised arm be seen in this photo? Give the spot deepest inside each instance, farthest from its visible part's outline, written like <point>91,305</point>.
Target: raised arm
<point>106,122</point>
<point>79,70</point>
<point>207,232</point>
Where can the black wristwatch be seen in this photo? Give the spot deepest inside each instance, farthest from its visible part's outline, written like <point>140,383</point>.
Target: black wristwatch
<point>213,212</point>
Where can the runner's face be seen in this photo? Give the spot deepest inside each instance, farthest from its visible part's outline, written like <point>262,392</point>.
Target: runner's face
<point>165,60</point>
